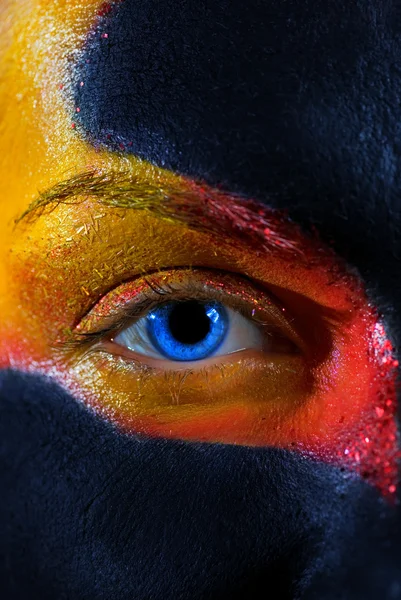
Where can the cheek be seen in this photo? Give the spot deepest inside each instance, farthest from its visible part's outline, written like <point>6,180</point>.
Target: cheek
<point>340,410</point>
<point>361,406</point>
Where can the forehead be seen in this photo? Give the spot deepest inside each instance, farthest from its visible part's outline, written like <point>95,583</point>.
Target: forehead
<point>293,103</point>
<point>37,41</point>
<point>260,97</point>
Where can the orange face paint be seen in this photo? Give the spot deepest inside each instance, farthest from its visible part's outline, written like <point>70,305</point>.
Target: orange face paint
<point>335,400</point>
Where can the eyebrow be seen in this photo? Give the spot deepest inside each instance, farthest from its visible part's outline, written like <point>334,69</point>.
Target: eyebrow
<point>198,206</point>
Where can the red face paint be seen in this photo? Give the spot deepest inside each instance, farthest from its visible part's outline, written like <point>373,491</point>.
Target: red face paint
<point>335,400</point>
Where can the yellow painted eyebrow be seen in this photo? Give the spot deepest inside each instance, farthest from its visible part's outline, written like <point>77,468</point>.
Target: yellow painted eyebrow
<point>114,189</point>
<point>198,206</point>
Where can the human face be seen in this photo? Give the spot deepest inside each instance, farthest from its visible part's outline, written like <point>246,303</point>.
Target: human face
<point>234,156</point>
<point>109,225</point>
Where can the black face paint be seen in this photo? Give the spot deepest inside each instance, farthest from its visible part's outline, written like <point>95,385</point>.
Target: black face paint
<point>94,514</point>
<point>293,103</point>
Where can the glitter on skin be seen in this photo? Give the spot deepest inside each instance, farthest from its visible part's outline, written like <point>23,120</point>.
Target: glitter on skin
<point>51,271</point>
<point>341,412</point>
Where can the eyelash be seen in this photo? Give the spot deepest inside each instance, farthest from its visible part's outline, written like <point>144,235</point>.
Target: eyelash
<point>88,332</point>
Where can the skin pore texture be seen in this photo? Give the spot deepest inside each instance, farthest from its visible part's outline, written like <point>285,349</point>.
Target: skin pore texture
<point>95,225</point>
<point>335,398</point>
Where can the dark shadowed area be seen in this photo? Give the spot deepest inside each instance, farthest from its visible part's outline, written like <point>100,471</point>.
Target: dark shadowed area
<point>88,513</point>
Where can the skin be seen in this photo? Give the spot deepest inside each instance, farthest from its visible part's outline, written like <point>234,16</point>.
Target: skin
<point>55,267</point>
<point>91,512</point>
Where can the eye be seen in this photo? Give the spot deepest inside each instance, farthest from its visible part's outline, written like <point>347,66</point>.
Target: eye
<point>181,331</point>
<point>191,331</point>
<point>297,358</point>
<point>209,316</point>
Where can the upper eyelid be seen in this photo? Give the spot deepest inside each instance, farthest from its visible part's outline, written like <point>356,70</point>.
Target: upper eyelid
<point>105,292</point>
<point>146,275</point>
<point>129,313</point>
<point>147,278</point>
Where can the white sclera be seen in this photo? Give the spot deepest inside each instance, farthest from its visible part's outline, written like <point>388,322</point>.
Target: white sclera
<point>242,334</point>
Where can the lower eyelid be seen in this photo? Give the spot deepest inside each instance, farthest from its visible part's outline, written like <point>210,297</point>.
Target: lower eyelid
<point>149,364</point>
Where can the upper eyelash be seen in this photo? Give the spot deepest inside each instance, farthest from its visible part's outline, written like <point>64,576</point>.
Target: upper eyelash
<point>128,304</point>
<point>132,313</point>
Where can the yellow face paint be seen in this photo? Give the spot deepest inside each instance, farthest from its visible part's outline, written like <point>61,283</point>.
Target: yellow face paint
<point>38,44</point>
<point>60,267</point>
<point>39,147</point>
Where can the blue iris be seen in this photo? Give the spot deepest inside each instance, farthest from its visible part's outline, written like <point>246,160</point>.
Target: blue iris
<point>189,330</point>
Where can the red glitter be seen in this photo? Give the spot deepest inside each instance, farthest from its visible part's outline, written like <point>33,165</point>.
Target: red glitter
<point>73,125</point>
<point>244,219</point>
<point>78,110</point>
<point>369,445</point>
<point>378,460</point>
<point>105,9</point>
<point>105,36</point>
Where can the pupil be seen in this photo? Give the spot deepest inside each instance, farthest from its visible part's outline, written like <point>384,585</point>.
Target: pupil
<point>189,323</point>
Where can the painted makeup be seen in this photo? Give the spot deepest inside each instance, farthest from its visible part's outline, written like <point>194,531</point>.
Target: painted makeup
<point>334,400</point>
<point>56,269</point>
